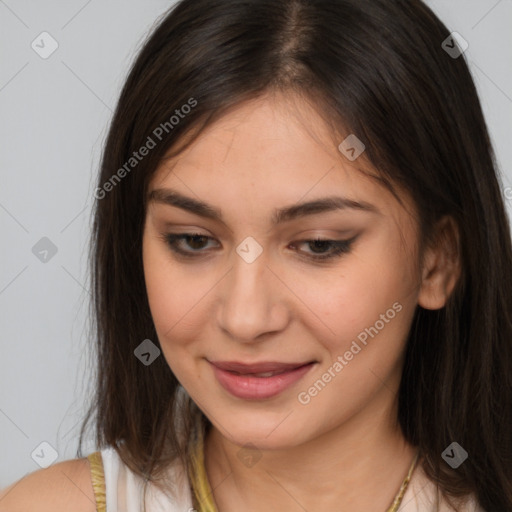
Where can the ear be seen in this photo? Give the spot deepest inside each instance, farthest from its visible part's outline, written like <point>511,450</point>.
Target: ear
<point>441,266</point>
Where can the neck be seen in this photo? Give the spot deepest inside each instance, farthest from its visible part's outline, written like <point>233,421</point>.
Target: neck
<point>358,465</point>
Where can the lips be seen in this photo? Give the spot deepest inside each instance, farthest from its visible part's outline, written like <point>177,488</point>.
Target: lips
<point>259,380</point>
<point>257,369</point>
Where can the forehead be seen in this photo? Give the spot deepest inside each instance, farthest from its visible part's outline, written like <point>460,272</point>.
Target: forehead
<point>270,152</point>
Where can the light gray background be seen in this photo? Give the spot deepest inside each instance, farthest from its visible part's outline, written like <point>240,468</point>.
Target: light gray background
<point>54,115</point>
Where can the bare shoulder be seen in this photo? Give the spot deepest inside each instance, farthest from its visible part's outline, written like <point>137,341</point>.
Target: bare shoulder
<point>62,487</point>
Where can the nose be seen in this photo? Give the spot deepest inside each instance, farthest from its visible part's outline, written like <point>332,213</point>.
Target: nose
<point>251,300</point>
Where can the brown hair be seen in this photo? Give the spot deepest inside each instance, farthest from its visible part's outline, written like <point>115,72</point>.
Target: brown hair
<point>376,67</point>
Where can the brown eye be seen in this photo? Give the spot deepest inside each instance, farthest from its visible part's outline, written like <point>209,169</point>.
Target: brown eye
<point>335,248</point>
<point>194,241</point>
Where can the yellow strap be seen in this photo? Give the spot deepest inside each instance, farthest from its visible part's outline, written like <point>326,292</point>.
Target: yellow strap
<point>98,480</point>
<point>202,492</point>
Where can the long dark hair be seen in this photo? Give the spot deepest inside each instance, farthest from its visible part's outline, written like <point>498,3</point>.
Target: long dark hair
<point>375,68</point>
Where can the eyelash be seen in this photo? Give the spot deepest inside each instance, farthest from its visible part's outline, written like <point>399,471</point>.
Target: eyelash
<point>340,247</point>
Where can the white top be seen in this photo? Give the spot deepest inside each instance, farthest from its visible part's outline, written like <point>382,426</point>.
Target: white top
<point>124,491</point>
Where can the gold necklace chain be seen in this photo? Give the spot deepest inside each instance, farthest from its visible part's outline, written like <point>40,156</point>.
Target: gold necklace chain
<point>400,495</point>
<point>202,493</point>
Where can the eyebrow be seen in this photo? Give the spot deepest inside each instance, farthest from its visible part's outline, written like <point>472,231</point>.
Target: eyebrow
<point>286,214</point>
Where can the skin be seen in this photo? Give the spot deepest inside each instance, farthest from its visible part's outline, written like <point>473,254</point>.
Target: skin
<point>343,450</point>
<point>62,487</point>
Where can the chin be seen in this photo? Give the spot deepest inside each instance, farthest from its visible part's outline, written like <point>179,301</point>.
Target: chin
<point>269,433</point>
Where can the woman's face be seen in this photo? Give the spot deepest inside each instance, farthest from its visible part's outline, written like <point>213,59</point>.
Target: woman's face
<point>249,289</point>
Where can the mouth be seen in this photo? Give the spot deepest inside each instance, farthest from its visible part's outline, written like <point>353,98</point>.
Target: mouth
<point>258,380</point>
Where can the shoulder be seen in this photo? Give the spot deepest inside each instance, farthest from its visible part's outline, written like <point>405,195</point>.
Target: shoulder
<point>62,487</point>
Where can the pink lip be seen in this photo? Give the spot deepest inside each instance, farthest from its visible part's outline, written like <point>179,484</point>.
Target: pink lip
<point>251,387</point>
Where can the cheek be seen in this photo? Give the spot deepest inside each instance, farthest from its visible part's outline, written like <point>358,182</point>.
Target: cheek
<point>171,301</point>
<point>371,297</point>
<point>370,319</point>
<point>358,292</point>
<point>170,294</point>
<point>178,296</point>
